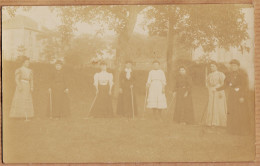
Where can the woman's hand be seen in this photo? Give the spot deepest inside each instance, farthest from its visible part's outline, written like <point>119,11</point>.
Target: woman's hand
<point>19,87</point>
<point>163,90</point>
<point>120,90</point>
<point>66,91</point>
<point>186,94</point>
<point>241,100</point>
<point>147,86</point>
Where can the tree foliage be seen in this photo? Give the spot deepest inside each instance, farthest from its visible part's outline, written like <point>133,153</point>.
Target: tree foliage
<point>209,26</point>
<point>11,10</point>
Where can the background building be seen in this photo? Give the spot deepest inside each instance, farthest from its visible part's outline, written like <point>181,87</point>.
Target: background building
<point>20,38</point>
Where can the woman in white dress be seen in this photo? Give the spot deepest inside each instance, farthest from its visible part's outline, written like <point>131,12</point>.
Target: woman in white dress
<point>22,104</point>
<point>216,113</point>
<point>103,82</point>
<point>156,83</point>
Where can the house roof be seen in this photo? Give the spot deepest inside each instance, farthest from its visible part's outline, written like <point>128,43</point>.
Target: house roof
<point>20,21</point>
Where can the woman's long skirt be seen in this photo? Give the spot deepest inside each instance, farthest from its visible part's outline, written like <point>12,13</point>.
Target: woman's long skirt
<point>22,104</point>
<point>156,98</point>
<point>60,103</point>
<point>216,113</point>
<point>238,115</point>
<point>126,106</point>
<point>102,107</point>
<point>184,108</point>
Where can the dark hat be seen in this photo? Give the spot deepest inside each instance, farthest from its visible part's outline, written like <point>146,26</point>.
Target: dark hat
<point>234,61</point>
<point>58,62</point>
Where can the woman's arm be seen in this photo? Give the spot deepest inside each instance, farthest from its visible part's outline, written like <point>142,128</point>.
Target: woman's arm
<point>149,80</point>
<point>31,80</point>
<point>111,83</point>
<point>96,82</point>
<point>17,77</point>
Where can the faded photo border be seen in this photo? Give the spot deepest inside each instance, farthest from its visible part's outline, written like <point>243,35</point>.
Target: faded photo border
<point>256,4</point>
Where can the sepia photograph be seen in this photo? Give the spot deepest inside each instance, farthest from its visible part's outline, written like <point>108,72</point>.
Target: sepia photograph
<point>128,83</point>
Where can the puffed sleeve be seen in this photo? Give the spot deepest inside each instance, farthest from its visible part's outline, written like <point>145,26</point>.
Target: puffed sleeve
<point>163,78</point>
<point>17,72</point>
<point>111,79</point>
<point>17,76</point>
<point>31,78</point>
<point>226,83</point>
<point>222,78</point>
<point>96,79</point>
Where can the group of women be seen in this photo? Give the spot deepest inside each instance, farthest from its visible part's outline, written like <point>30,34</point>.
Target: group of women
<point>229,111</point>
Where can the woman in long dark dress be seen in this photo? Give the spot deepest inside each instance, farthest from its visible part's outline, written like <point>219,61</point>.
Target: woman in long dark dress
<point>103,82</point>
<point>237,103</point>
<point>184,107</point>
<point>126,99</point>
<point>58,91</point>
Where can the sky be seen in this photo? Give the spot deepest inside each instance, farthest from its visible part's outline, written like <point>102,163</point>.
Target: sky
<point>44,16</point>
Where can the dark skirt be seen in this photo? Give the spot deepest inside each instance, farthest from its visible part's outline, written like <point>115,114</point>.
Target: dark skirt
<point>60,103</point>
<point>125,104</point>
<point>238,114</point>
<point>184,108</point>
<point>102,107</point>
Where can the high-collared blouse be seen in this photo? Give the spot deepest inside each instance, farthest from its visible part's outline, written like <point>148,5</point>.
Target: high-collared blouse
<point>156,75</point>
<point>103,78</point>
<point>24,74</point>
<point>215,79</point>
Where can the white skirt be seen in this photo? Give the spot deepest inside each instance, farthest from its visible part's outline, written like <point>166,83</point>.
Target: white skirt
<point>216,113</point>
<point>22,104</point>
<point>156,99</point>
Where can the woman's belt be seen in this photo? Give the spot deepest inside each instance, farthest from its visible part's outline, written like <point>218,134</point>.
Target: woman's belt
<point>24,80</point>
<point>103,84</point>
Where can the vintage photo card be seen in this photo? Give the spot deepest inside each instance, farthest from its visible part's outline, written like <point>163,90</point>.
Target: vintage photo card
<point>128,83</point>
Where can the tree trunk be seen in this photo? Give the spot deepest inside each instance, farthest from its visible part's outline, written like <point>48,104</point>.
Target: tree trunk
<point>170,42</point>
<point>122,44</point>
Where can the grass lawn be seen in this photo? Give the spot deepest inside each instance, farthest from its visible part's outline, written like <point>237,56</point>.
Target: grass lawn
<point>79,140</point>
<point>117,140</point>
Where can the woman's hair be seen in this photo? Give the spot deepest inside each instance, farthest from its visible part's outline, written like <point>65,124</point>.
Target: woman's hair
<point>156,61</point>
<point>213,63</point>
<point>58,62</point>
<point>103,63</point>
<point>22,59</point>
<point>128,61</point>
<point>182,66</point>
